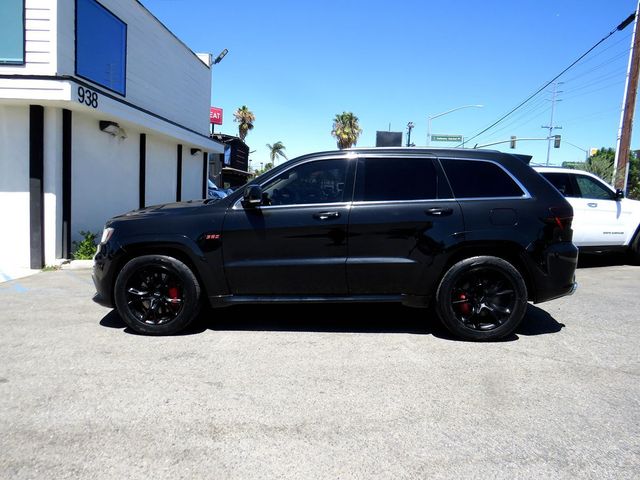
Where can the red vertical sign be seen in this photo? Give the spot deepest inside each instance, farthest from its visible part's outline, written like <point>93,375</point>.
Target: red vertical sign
<point>215,116</point>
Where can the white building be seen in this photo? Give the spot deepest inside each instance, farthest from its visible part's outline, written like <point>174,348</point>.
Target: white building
<point>102,110</point>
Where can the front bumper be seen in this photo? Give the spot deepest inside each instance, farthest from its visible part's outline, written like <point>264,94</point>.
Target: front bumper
<point>102,275</point>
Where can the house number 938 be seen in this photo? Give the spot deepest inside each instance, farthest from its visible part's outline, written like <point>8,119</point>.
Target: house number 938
<point>88,97</point>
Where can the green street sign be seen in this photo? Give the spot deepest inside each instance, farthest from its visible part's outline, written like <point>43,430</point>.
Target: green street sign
<point>446,138</point>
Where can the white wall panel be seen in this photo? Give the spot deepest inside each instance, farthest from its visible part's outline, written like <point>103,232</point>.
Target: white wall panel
<point>162,170</point>
<point>105,173</point>
<point>14,186</point>
<point>191,175</point>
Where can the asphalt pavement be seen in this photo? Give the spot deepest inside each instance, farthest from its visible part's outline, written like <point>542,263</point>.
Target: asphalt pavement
<point>319,392</point>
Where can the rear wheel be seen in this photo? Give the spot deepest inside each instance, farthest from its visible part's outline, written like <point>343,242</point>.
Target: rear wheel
<point>481,298</point>
<point>157,295</point>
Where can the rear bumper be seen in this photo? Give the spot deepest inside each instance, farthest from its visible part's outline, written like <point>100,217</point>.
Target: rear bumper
<point>554,275</point>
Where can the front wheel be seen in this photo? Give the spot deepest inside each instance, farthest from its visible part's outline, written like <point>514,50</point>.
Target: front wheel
<point>481,298</point>
<point>157,295</point>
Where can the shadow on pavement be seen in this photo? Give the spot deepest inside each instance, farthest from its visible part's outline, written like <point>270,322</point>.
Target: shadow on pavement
<point>113,320</point>
<point>338,318</point>
<point>593,260</point>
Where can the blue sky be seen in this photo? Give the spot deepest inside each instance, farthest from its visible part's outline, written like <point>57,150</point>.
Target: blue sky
<point>297,64</point>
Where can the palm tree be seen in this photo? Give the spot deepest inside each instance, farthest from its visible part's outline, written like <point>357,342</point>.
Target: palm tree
<point>245,118</point>
<point>276,150</point>
<point>346,129</point>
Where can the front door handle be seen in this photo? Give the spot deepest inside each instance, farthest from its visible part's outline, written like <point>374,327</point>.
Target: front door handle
<point>326,215</point>
<point>439,212</point>
<point>592,204</point>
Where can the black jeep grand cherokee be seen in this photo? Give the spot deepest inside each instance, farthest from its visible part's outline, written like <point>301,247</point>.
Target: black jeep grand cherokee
<point>477,232</point>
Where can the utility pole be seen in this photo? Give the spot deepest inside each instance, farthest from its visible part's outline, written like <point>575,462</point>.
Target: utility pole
<point>410,126</point>
<point>621,162</point>
<point>551,126</point>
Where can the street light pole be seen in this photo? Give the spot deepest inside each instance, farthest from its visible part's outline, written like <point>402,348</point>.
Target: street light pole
<point>431,117</point>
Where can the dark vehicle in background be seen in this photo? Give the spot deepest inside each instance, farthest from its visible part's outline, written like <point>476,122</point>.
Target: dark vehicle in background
<point>477,233</point>
<point>213,191</point>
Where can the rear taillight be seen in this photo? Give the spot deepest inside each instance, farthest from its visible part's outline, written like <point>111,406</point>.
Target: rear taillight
<point>561,216</point>
<point>559,219</point>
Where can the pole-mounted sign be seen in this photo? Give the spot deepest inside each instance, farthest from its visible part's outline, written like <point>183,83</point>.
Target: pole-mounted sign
<point>215,116</point>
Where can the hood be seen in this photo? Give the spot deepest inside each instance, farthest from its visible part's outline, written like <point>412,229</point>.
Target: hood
<point>175,208</point>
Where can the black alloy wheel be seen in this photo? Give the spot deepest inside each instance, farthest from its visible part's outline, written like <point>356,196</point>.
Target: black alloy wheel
<point>157,295</point>
<point>482,298</point>
<point>154,295</point>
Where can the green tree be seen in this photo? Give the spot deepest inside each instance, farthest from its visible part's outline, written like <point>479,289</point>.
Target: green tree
<point>261,170</point>
<point>601,164</point>
<point>346,129</point>
<point>245,119</point>
<point>276,150</point>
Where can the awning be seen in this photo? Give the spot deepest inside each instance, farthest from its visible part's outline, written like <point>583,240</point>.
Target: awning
<point>235,170</point>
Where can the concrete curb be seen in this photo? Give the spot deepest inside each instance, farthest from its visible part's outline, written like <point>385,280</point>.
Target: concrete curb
<point>77,265</point>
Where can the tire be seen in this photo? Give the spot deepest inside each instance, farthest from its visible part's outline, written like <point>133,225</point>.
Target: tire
<point>481,298</point>
<point>634,249</point>
<point>157,295</point>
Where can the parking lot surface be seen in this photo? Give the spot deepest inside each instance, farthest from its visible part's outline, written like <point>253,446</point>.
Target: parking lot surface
<point>324,391</point>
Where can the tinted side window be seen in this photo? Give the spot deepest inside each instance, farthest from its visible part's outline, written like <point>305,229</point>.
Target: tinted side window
<point>396,179</point>
<point>591,188</point>
<point>562,182</point>
<point>313,182</point>
<point>479,179</point>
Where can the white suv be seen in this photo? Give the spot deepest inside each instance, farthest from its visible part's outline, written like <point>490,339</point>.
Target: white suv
<point>603,218</point>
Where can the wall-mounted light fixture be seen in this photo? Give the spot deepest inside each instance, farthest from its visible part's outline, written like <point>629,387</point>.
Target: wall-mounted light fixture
<point>112,128</point>
<point>195,150</point>
<point>221,56</point>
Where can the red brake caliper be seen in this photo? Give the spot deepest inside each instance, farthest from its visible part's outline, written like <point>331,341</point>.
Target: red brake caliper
<point>173,294</point>
<point>463,307</point>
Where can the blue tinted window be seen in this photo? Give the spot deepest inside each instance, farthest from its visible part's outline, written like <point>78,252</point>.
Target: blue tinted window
<point>101,45</point>
<point>11,31</point>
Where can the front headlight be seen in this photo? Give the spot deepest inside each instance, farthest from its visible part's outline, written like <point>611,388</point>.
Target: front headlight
<point>106,235</point>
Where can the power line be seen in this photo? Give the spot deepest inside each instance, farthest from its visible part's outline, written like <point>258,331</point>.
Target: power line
<point>596,80</point>
<point>620,27</point>
<point>599,66</point>
<point>609,85</point>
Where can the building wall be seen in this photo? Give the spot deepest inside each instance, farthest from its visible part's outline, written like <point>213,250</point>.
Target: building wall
<point>167,98</point>
<point>52,183</point>
<point>14,186</point>
<point>162,170</point>
<point>191,174</point>
<point>162,76</point>
<point>105,171</point>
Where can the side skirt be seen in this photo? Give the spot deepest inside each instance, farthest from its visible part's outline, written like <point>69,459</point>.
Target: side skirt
<point>228,300</point>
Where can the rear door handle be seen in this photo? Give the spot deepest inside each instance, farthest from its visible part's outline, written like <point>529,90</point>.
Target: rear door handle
<point>326,215</point>
<point>592,204</point>
<point>439,212</point>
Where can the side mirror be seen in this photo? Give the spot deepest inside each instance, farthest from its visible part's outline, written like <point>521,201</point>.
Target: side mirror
<point>619,194</point>
<point>252,196</point>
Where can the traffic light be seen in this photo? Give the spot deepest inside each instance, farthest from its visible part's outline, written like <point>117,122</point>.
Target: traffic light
<point>512,144</point>
<point>556,141</point>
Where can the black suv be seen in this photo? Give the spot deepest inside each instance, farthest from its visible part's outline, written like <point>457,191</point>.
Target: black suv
<point>476,231</point>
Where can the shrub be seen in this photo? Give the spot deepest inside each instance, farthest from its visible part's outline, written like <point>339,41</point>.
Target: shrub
<point>85,249</point>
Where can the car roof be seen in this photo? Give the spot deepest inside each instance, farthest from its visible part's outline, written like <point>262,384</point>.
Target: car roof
<point>461,153</point>
<point>551,169</point>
